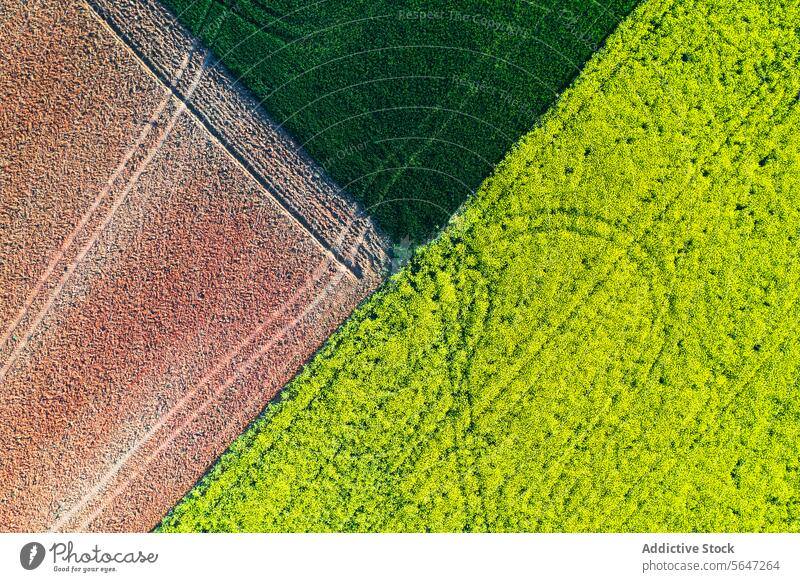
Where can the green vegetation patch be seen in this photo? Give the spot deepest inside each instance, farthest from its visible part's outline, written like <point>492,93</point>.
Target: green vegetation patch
<point>605,339</point>
<point>408,104</point>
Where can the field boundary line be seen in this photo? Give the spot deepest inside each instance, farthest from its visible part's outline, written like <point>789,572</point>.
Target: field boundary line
<point>213,371</point>
<point>239,159</point>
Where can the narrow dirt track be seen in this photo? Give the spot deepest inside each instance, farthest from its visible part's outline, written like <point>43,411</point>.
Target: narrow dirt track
<point>161,276</point>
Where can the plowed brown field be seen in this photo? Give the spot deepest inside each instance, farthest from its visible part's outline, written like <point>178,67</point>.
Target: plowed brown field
<point>168,261</point>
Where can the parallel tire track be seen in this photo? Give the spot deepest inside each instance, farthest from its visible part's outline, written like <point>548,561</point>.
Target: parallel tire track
<point>73,265</point>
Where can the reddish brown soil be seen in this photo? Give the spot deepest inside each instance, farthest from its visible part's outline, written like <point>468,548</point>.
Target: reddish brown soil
<point>160,279</point>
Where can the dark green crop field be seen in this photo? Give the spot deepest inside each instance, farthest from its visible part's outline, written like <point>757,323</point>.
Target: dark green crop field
<point>408,104</point>
<point>605,339</point>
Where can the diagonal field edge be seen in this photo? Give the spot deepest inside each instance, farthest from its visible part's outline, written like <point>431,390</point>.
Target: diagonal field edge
<point>216,371</point>
<point>300,220</point>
